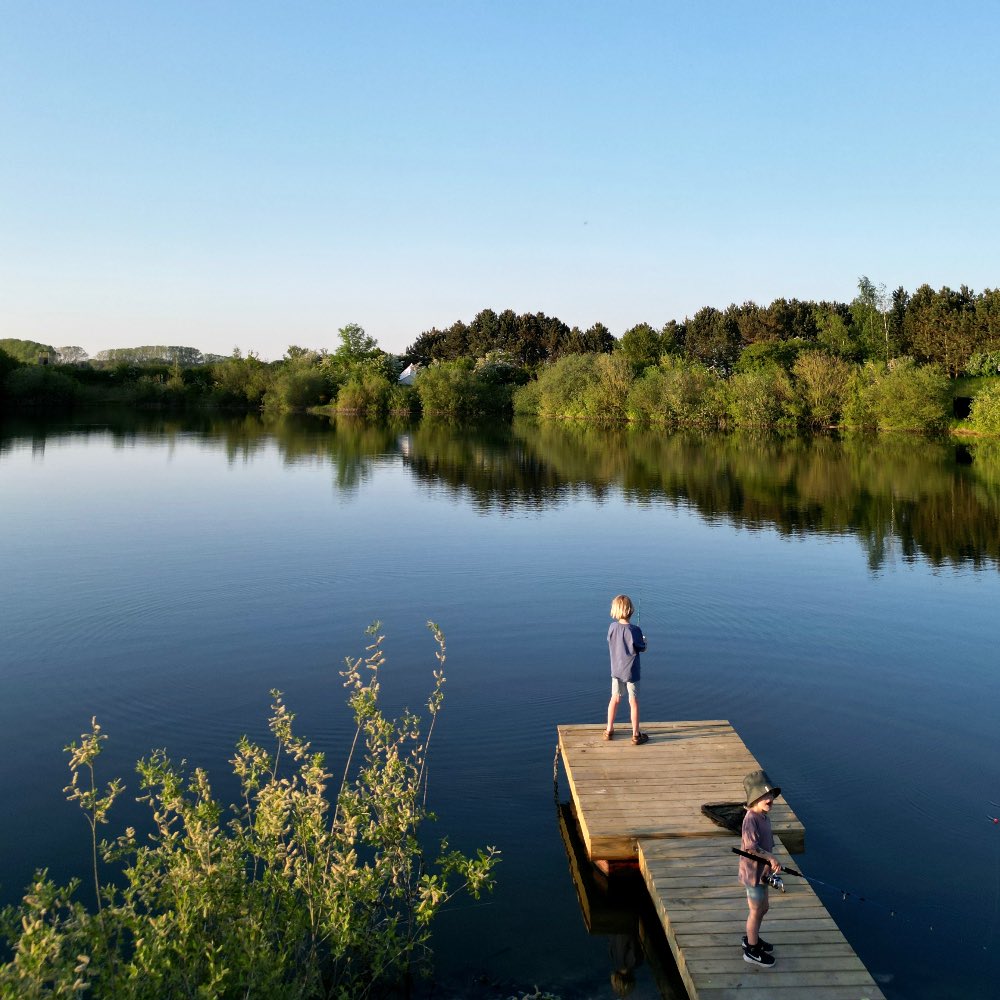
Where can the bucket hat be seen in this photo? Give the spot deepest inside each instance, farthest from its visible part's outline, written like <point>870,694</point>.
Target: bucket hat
<point>757,784</point>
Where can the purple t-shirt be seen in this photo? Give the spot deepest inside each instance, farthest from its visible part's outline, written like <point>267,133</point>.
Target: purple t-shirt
<point>757,837</point>
<point>625,643</point>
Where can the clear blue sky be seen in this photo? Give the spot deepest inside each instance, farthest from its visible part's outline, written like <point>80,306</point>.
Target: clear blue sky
<point>258,175</point>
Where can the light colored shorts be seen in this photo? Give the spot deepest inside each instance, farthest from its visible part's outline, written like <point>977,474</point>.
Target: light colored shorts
<point>622,688</point>
<point>757,893</point>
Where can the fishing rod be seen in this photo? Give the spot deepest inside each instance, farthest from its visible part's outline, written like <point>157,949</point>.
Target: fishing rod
<point>775,880</point>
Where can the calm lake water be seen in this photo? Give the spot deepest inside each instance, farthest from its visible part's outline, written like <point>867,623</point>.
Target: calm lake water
<point>836,601</point>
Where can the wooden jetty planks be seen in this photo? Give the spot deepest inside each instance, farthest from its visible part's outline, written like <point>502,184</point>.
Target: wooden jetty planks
<point>623,792</point>
<point>694,887</point>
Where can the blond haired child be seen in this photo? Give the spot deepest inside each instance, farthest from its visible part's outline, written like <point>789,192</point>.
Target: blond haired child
<point>625,643</point>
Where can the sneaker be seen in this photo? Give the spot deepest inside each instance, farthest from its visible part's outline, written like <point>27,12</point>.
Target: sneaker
<point>761,943</point>
<point>757,957</point>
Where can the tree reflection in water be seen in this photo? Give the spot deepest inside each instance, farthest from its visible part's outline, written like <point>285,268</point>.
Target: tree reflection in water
<point>902,496</point>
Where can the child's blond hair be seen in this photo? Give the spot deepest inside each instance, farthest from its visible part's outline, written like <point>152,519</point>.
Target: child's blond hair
<point>621,607</point>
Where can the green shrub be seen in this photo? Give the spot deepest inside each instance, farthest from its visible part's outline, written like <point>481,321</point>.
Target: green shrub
<point>606,397</point>
<point>984,415</point>
<point>243,380</point>
<point>40,385</point>
<point>913,397</point>
<point>760,398</point>
<point>366,393</point>
<point>899,396</point>
<point>292,896</point>
<point>297,388</point>
<point>528,399</point>
<point>452,389</point>
<point>563,385</point>
<point>822,386</point>
<point>984,363</point>
<point>689,393</point>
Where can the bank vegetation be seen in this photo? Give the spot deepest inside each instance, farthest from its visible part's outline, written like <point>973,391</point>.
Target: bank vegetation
<point>922,362</point>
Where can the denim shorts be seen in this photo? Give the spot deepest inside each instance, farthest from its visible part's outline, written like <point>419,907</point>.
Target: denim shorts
<point>621,688</point>
<point>757,893</point>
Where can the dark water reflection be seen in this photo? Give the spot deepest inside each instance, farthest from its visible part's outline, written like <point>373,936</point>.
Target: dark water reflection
<point>835,599</point>
<point>901,496</point>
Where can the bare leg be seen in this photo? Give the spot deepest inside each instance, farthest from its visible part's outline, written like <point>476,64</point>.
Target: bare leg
<point>633,704</point>
<point>612,711</point>
<point>757,911</point>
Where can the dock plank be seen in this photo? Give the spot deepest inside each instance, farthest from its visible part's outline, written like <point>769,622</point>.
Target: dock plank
<point>704,928</point>
<point>623,792</point>
<point>644,803</point>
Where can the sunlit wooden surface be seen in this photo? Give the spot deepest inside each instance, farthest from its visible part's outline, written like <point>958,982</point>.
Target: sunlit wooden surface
<point>703,911</point>
<point>643,803</point>
<point>623,792</point>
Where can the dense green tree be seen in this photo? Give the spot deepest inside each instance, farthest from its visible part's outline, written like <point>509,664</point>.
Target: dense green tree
<point>71,355</point>
<point>834,331</point>
<point>942,327</point>
<point>426,348</point>
<point>713,339</point>
<point>870,317</point>
<point>641,345</point>
<point>355,345</point>
<point>28,351</point>
<point>151,354</point>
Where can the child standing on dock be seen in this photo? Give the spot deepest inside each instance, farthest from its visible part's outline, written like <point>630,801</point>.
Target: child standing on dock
<point>625,643</point>
<point>757,839</point>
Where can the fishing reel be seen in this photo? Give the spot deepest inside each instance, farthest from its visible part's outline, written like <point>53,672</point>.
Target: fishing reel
<point>774,880</point>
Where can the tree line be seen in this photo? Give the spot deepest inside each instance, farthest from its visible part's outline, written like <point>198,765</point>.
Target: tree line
<point>881,361</point>
<point>951,328</point>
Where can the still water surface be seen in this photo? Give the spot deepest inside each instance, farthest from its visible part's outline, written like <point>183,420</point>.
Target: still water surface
<point>836,601</point>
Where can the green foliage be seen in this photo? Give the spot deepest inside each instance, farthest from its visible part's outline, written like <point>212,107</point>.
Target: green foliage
<point>678,392</point>
<point>899,396</point>
<point>151,354</point>
<point>761,398</point>
<point>642,345</point>
<point>297,387</point>
<point>870,319</point>
<point>8,364</point>
<point>242,380</point>
<point>562,387</point>
<point>292,896</point>
<point>984,416</point>
<point>767,354</point>
<point>834,332</point>
<point>822,384</point>
<point>984,363</point>
<point>356,345</point>
<point>527,399</point>
<point>500,368</point>
<point>606,397</point>
<point>367,393</point>
<point>27,351</point>
<point>453,389</point>
<point>713,339</point>
<point>40,385</point>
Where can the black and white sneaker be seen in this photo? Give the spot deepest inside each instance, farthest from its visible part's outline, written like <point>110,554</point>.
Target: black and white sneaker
<point>761,943</point>
<point>755,956</point>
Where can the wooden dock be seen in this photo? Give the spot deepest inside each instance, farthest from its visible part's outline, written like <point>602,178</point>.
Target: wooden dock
<point>643,804</point>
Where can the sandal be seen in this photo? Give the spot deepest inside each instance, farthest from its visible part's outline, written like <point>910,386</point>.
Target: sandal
<point>609,734</point>
<point>639,738</point>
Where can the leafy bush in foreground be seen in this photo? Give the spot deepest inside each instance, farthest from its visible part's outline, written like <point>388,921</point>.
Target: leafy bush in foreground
<point>287,898</point>
<point>984,416</point>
